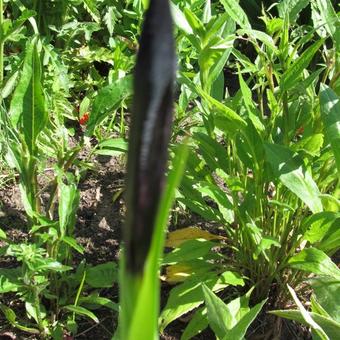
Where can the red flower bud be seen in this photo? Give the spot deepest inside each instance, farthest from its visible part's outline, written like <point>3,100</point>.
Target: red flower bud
<point>83,120</point>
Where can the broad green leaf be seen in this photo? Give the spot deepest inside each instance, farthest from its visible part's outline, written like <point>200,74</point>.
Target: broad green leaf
<point>307,317</point>
<point>261,36</point>
<point>310,144</point>
<point>229,119</point>
<point>330,113</point>
<point>102,275</point>
<point>180,19</point>
<point>189,250</point>
<point>230,321</point>
<point>327,292</point>
<point>329,17</point>
<point>195,23</point>
<point>197,324</point>
<point>240,329</point>
<point>94,301</point>
<point>252,111</point>
<point>315,261</point>
<point>107,100</point>
<point>236,12</point>
<point>28,102</point>
<point>9,279</point>
<point>68,204</point>
<point>51,265</point>
<point>291,77</point>
<point>189,295</point>
<point>81,311</point>
<point>329,326</point>
<point>217,312</point>
<point>73,243</point>
<point>318,225</point>
<point>112,146</point>
<point>289,169</point>
<point>332,238</point>
<point>292,8</point>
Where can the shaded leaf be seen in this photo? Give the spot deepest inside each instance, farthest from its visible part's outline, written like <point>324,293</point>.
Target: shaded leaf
<point>286,165</point>
<point>330,113</point>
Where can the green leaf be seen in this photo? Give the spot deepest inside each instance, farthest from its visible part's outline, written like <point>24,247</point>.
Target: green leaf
<point>195,24</point>
<point>94,300</point>
<point>261,36</point>
<point>28,102</point>
<point>307,317</point>
<point>286,165</point>
<point>292,8</point>
<point>332,238</point>
<point>108,99</point>
<point>51,265</point>
<point>9,279</point>
<point>3,235</point>
<point>310,144</point>
<point>110,18</point>
<point>102,275</point>
<point>236,12</point>
<point>189,295</point>
<point>180,19</point>
<point>90,6</point>
<point>292,75</point>
<point>329,17</point>
<point>197,324</point>
<point>327,292</point>
<point>229,117</point>
<point>230,321</point>
<point>11,318</point>
<point>81,311</point>
<point>240,329</point>
<point>189,250</point>
<point>315,261</point>
<point>318,225</point>
<point>18,23</point>
<point>330,113</point>
<point>330,327</point>
<point>217,312</point>
<point>68,205</point>
<point>73,243</point>
<point>112,146</point>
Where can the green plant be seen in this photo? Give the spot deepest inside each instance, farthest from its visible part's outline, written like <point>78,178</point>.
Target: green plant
<point>324,315</point>
<point>255,166</point>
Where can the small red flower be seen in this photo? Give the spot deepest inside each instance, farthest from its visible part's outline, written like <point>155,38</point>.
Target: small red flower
<point>83,120</point>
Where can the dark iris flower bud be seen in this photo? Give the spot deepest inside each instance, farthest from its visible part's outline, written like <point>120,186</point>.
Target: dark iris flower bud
<point>150,131</point>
